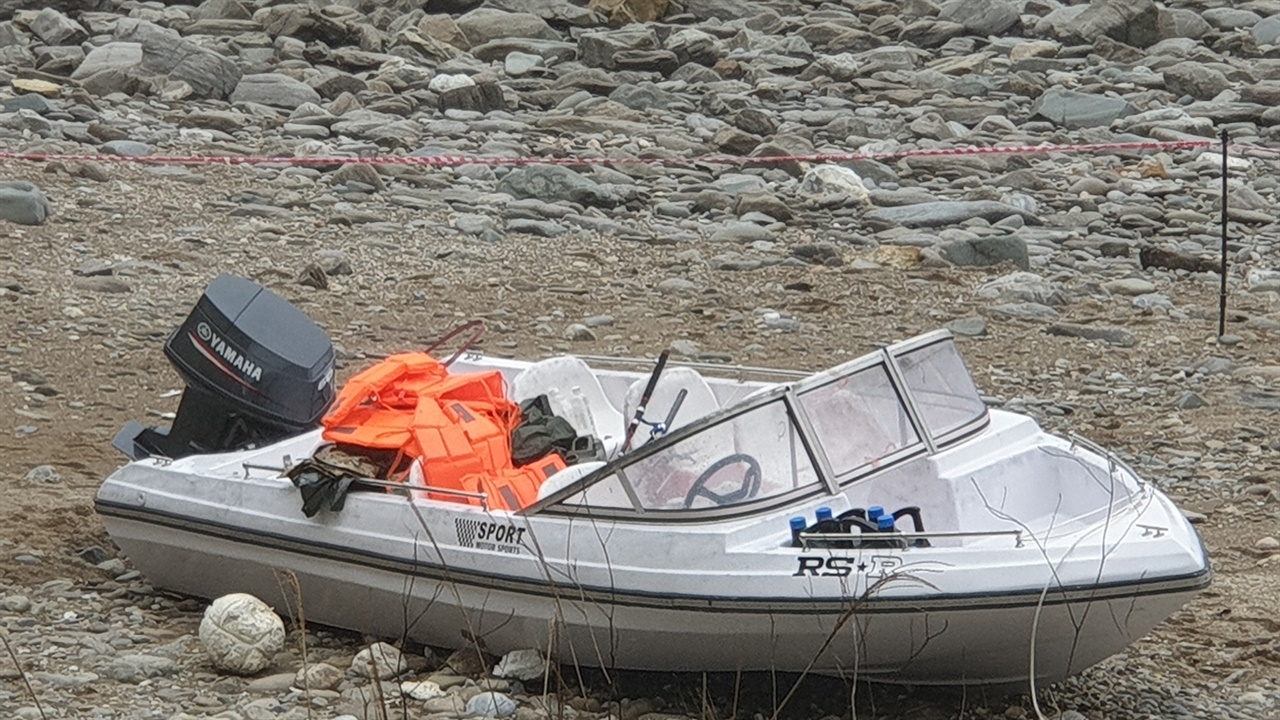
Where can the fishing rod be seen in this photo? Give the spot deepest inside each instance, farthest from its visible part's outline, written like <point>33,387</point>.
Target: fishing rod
<point>644,401</point>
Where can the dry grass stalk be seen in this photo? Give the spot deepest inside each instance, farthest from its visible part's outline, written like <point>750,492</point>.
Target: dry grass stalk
<point>288,581</point>
<point>26,681</point>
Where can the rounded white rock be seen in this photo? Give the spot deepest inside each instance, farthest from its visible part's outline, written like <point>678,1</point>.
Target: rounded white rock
<point>444,82</point>
<point>521,665</point>
<point>241,633</point>
<point>379,660</point>
<point>421,690</point>
<point>491,705</point>
<point>318,676</point>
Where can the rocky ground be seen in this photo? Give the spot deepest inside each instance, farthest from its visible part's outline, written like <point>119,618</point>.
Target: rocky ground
<point>1034,260</point>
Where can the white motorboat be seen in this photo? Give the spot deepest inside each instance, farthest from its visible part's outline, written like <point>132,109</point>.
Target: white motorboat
<point>698,545</point>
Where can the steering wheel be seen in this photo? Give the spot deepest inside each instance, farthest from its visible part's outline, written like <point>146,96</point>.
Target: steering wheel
<point>750,481</point>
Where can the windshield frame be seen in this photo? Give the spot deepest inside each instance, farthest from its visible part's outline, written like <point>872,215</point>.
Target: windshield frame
<point>790,395</point>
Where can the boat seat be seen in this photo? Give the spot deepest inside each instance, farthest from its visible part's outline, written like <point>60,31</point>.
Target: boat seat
<point>575,394</point>
<point>730,395</point>
<point>698,401</point>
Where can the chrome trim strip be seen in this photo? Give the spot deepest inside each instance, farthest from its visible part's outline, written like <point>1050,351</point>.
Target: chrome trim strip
<point>896,534</point>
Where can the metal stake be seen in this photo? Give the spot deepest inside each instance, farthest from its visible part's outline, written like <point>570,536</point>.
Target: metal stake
<point>1222,293</point>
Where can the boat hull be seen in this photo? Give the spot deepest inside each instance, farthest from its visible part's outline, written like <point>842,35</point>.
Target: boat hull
<point>970,640</point>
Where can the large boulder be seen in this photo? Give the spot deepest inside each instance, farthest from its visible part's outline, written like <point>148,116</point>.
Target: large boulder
<point>55,28</point>
<point>724,9</point>
<point>23,203</point>
<point>241,634</point>
<point>1182,23</point>
<point>625,12</point>
<point>946,212</point>
<point>1132,22</point>
<point>985,251</point>
<point>1075,110</point>
<point>222,10</point>
<point>484,24</point>
<point>1199,81</point>
<point>1022,287</point>
<point>9,7</point>
<point>1266,32</point>
<point>600,49</point>
<point>168,55</point>
<point>980,17</point>
<point>522,665</point>
<point>491,705</point>
<point>556,183</point>
<point>834,185</point>
<point>274,90</point>
<point>113,67</point>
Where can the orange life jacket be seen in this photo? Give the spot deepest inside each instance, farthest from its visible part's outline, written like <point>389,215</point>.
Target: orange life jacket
<point>458,426</point>
<point>515,488</point>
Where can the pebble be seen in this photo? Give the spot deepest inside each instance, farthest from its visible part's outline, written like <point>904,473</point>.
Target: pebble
<point>320,676</point>
<point>968,327</point>
<point>1131,287</point>
<point>521,665</point>
<point>380,661</point>
<point>15,603</point>
<point>1110,335</point>
<point>1190,401</point>
<point>421,690</point>
<point>136,669</point>
<point>491,704</point>
<point>42,475</point>
<point>271,683</point>
<point>579,332</point>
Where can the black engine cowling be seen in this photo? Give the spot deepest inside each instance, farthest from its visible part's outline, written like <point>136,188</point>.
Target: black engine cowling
<point>256,369</point>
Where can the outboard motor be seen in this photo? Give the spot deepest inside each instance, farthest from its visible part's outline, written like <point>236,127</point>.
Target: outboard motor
<point>257,370</point>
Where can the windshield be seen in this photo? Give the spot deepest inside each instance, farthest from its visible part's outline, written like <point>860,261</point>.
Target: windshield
<point>940,385</point>
<point>750,456</point>
<point>828,429</point>
<point>858,419</point>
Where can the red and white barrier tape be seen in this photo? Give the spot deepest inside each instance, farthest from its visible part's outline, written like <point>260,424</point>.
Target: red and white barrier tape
<point>457,160</point>
<point>1259,149</point>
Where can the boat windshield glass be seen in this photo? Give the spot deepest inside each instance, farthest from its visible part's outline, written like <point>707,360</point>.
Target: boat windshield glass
<point>858,418</point>
<point>943,391</point>
<point>750,456</point>
<point>850,420</point>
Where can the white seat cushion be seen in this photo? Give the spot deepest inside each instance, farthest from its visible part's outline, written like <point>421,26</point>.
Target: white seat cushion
<point>575,394</point>
<point>698,401</point>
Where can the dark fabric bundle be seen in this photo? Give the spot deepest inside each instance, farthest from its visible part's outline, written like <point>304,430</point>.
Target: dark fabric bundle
<point>324,479</point>
<point>541,431</point>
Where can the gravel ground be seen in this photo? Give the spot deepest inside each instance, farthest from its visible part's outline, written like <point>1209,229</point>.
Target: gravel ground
<point>83,355</point>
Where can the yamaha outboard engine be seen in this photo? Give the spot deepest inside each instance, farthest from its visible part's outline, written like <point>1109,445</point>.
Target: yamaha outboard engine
<point>257,370</point>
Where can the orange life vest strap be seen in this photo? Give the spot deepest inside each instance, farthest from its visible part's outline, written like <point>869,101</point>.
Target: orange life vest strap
<point>515,488</point>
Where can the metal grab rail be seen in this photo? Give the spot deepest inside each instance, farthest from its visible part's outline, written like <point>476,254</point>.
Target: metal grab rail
<point>388,484</point>
<point>247,466</point>
<point>804,537</point>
